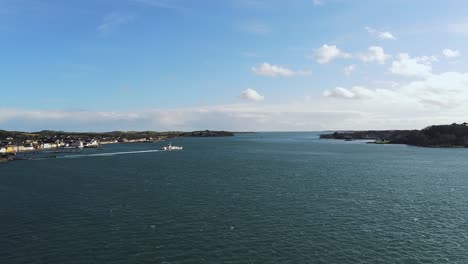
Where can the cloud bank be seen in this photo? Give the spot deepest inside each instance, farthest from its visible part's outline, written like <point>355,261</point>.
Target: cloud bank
<point>429,99</point>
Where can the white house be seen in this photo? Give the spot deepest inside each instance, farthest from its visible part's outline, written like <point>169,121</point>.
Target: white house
<point>92,144</point>
<point>49,145</point>
<point>25,148</point>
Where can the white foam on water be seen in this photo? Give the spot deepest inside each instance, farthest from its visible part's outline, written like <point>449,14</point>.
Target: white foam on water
<point>106,154</point>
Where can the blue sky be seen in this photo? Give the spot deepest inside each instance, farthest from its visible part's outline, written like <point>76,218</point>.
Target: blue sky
<point>231,64</point>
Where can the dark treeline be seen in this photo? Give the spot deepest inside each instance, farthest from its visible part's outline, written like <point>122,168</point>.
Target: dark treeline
<point>454,135</point>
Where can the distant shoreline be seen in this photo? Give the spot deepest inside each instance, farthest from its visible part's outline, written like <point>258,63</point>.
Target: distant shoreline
<point>437,136</point>
<point>13,142</point>
<point>52,153</point>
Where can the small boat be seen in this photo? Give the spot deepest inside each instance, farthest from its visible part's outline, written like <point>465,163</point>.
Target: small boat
<point>171,148</point>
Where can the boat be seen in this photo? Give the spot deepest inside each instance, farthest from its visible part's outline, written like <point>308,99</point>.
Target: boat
<point>171,148</point>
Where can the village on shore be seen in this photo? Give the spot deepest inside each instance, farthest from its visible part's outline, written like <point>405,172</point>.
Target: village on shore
<point>11,146</point>
<point>13,142</point>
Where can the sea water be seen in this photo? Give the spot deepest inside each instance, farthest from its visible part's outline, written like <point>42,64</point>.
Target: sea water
<point>253,198</point>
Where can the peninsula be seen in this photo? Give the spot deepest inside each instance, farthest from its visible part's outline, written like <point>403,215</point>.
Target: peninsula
<point>454,135</point>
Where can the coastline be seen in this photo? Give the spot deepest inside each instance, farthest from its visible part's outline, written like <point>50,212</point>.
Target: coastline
<point>39,153</point>
<point>436,136</point>
<point>25,145</point>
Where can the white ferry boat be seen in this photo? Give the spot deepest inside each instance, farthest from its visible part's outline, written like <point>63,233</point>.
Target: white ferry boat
<point>171,148</point>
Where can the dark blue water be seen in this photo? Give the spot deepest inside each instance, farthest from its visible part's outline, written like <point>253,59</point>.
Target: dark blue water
<point>258,198</point>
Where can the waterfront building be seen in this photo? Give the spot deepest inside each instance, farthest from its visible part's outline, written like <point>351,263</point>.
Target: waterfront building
<point>25,148</point>
<point>11,149</point>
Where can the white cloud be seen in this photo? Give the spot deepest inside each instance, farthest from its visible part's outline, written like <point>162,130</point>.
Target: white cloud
<point>266,69</point>
<point>374,53</point>
<point>348,70</point>
<point>113,22</point>
<point>413,67</point>
<point>339,92</point>
<point>251,95</point>
<point>356,92</point>
<point>384,35</point>
<point>327,53</point>
<point>448,90</point>
<point>449,53</point>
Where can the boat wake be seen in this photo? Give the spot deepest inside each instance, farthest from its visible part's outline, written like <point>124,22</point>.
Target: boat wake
<point>106,154</point>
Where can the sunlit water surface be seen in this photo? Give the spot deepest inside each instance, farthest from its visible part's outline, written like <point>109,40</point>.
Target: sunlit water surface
<point>255,198</point>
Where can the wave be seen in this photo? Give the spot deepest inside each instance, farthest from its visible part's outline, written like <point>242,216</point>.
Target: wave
<point>106,154</point>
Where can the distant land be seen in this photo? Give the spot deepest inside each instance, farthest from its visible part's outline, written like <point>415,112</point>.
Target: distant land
<point>12,142</point>
<point>454,135</point>
<point>110,135</point>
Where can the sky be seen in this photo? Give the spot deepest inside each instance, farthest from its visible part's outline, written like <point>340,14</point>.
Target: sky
<point>242,65</point>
